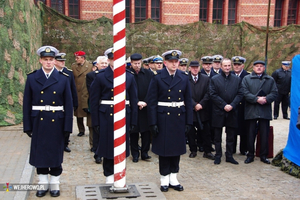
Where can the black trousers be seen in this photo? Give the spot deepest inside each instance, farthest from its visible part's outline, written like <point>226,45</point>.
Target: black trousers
<point>95,140</point>
<point>230,132</point>
<point>168,165</point>
<point>80,124</point>
<point>108,167</point>
<point>200,136</point>
<point>263,125</point>
<point>54,171</point>
<point>145,139</point>
<point>285,101</point>
<point>67,138</point>
<point>242,132</point>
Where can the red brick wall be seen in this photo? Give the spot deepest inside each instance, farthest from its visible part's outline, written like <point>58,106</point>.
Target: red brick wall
<point>187,11</point>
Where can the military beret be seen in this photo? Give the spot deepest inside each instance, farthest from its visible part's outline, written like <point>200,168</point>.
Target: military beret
<point>136,56</point>
<point>183,61</point>
<point>60,56</point>
<point>109,53</point>
<point>217,58</point>
<point>172,55</point>
<point>238,60</point>
<point>286,63</point>
<point>259,62</point>
<point>79,53</point>
<point>157,59</point>
<point>207,59</point>
<point>47,51</point>
<point>194,63</point>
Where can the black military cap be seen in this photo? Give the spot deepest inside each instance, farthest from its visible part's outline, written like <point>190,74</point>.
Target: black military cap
<point>150,59</point>
<point>47,51</point>
<point>238,60</point>
<point>259,62</point>
<point>217,58</point>
<point>145,61</point>
<point>183,61</point>
<point>194,63</point>
<point>136,56</point>
<point>109,53</point>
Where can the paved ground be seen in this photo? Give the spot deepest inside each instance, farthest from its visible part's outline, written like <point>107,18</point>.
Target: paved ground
<point>199,176</point>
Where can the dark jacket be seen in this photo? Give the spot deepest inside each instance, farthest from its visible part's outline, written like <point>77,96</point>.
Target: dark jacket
<point>47,127</point>
<point>203,72</point>
<point>171,121</point>
<point>225,90</point>
<point>252,84</point>
<point>103,115</point>
<point>283,80</point>
<point>142,80</point>
<point>200,94</point>
<point>73,86</point>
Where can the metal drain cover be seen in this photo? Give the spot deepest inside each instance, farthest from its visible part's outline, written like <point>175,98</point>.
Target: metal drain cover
<point>135,190</point>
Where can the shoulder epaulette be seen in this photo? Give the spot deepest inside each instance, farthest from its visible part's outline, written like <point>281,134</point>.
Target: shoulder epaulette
<point>96,72</point>
<point>64,73</point>
<point>31,72</point>
<point>68,69</point>
<point>154,72</point>
<point>130,71</point>
<point>185,72</point>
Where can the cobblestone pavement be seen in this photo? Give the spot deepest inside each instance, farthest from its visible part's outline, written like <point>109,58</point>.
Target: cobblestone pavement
<point>199,176</point>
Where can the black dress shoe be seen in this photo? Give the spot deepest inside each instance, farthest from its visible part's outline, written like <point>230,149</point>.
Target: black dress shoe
<point>208,155</point>
<point>54,193</point>
<point>286,118</point>
<point>231,160</point>
<point>249,160</point>
<point>146,157</point>
<point>164,188</point>
<point>135,160</point>
<point>80,134</point>
<point>193,154</point>
<point>265,160</point>
<point>98,160</point>
<point>176,187</point>
<point>67,149</point>
<point>41,193</point>
<point>201,149</point>
<point>217,161</point>
<point>275,118</point>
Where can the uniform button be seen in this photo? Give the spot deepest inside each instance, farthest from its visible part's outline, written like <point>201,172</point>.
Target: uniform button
<point>53,102</point>
<point>53,111</point>
<point>169,90</point>
<point>42,101</point>
<point>42,119</point>
<point>111,114</point>
<point>168,113</point>
<point>169,98</point>
<point>179,98</point>
<point>179,90</point>
<point>112,90</point>
<point>41,110</point>
<point>112,98</point>
<point>42,92</point>
<point>52,120</point>
<point>54,92</point>
<point>111,106</point>
<point>179,114</point>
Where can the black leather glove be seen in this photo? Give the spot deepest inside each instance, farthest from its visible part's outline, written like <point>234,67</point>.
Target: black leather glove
<point>154,130</point>
<point>133,129</point>
<point>66,133</point>
<point>96,129</point>
<point>85,110</point>
<point>75,108</point>
<point>29,134</point>
<point>187,129</point>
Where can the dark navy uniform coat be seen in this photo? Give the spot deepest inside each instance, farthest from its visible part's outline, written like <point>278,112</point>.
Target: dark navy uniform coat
<point>73,86</point>
<point>47,127</point>
<point>102,115</point>
<point>171,121</point>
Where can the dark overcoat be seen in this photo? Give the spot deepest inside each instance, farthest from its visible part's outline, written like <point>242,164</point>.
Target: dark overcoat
<point>142,79</point>
<point>47,127</point>
<point>225,90</point>
<point>171,121</point>
<point>102,115</point>
<point>252,84</point>
<point>203,72</point>
<point>80,72</point>
<point>73,86</point>
<point>283,80</point>
<point>200,94</point>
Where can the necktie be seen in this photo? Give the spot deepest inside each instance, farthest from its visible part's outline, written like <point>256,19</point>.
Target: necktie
<point>172,76</point>
<point>195,79</point>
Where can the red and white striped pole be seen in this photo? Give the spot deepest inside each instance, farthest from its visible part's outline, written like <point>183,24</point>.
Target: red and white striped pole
<point>119,94</point>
